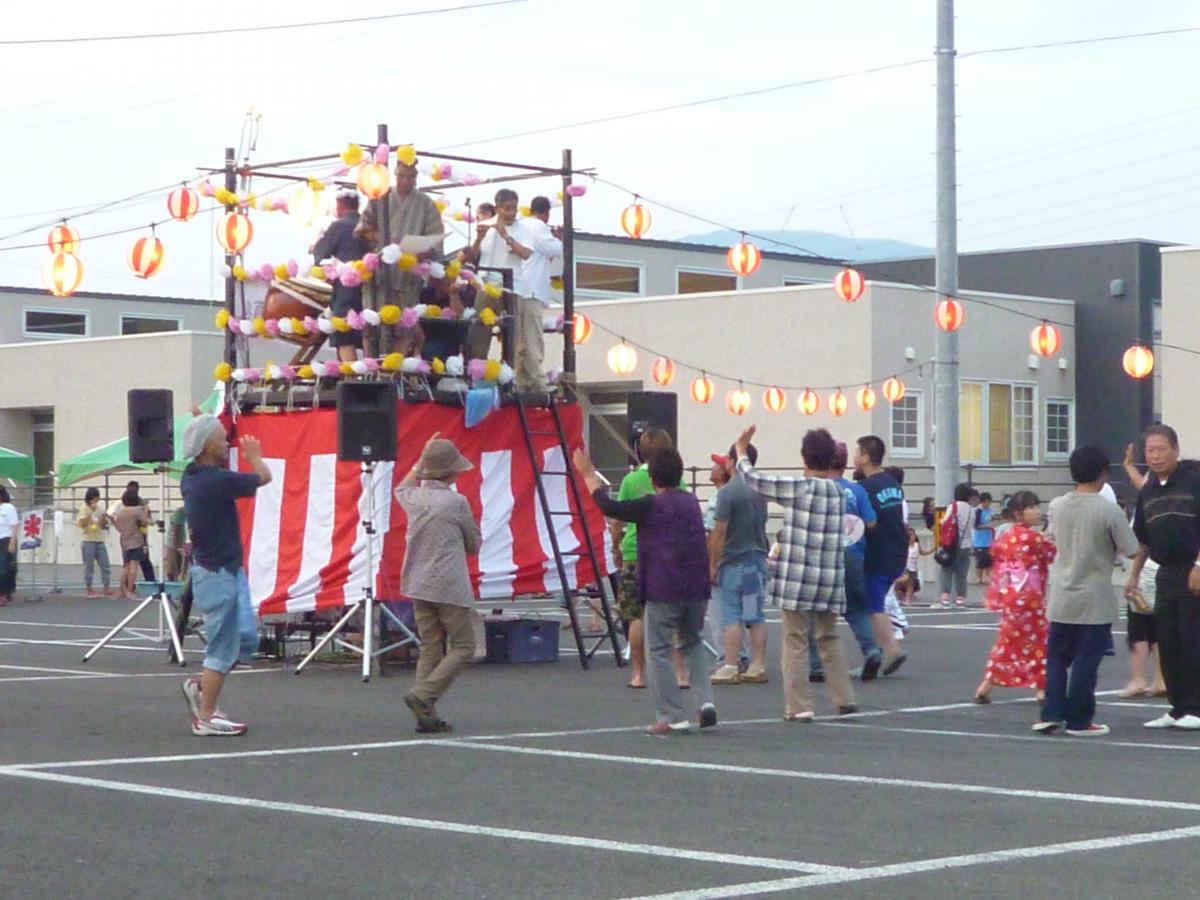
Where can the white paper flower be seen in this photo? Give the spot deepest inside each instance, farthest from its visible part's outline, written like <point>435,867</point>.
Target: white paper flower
<point>410,364</point>
<point>506,373</point>
<point>437,270</point>
<point>371,317</point>
<point>325,326</point>
<point>455,366</point>
<point>390,254</point>
<point>247,327</point>
<point>358,367</point>
<point>285,326</point>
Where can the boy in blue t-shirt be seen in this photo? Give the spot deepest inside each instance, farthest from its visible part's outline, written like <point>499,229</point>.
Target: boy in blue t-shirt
<point>982,535</point>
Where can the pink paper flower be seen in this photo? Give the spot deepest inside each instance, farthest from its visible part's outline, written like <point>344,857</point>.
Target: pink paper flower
<point>423,367</point>
<point>351,278</point>
<point>354,320</point>
<point>310,324</point>
<point>253,374</point>
<point>381,153</point>
<point>470,179</point>
<point>371,261</point>
<point>409,317</point>
<point>476,368</point>
<point>331,271</point>
<point>272,326</point>
<point>293,268</point>
<point>331,368</point>
<point>206,189</point>
<point>266,271</point>
<point>448,313</point>
<point>287,373</point>
<point>371,363</point>
<point>235,326</point>
<point>576,190</point>
<point>421,269</point>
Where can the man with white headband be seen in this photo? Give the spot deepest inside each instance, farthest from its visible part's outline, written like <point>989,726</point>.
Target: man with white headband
<point>219,585</point>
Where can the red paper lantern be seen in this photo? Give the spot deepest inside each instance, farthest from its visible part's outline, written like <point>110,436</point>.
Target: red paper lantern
<point>63,239</point>
<point>146,256</point>
<point>893,390</point>
<point>635,220</point>
<point>373,179</point>
<point>581,330</point>
<point>234,232</point>
<point>866,398</point>
<point>1045,340</point>
<point>702,389</point>
<point>774,399</point>
<point>744,258</point>
<point>1138,361</point>
<point>662,370</point>
<point>738,401</point>
<point>949,314</point>
<point>809,402</point>
<point>849,285</point>
<point>62,274</point>
<point>183,203</point>
<point>838,403</point>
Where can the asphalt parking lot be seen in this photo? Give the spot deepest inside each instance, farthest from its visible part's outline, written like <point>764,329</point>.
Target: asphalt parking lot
<point>550,788</point>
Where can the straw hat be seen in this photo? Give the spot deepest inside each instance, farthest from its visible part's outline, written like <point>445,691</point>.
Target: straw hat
<point>441,459</point>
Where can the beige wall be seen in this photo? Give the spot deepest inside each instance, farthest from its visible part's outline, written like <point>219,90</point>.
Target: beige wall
<point>1180,326</point>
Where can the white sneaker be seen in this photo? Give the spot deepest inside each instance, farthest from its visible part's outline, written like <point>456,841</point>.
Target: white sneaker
<point>726,675</point>
<point>1166,720</point>
<point>217,726</point>
<point>1188,723</point>
<point>191,693</point>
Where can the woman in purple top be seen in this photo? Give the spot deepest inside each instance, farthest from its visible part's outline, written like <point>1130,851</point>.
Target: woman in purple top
<point>672,579</point>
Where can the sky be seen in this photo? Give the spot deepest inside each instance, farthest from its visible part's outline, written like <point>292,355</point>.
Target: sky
<point>1060,145</point>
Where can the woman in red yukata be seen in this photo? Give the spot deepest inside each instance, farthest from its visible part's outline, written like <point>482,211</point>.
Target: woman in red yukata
<point>1018,592</point>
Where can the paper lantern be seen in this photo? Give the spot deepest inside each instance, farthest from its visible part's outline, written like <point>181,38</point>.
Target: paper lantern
<point>1138,361</point>
<point>662,370</point>
<point>809,402</point>
<point>234,232</point>
<point>866,398</point>
<point>63,239</point>
<point>62,274</point>
<point>849,285</point>
<point>581,329</point>
<point>1045,339</point>
<point>183,203</point>
<point>304,206</point>
<point>893,390</point>
<point>737,401</point>
<point>635,220</point>
<point>622,358</point>
<point>702,389</point>
<point>744,258</point>
<point>146,256</point>
<point>949,314</point>
<point>373,179</point>
<point>774,399</point>
<point>838,403</point>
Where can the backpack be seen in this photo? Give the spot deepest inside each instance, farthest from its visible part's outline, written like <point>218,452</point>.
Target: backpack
<point>947,549</point>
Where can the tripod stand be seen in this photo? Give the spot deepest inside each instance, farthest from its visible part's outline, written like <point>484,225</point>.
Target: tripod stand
<point>367,604</point>
<point>160,596</point>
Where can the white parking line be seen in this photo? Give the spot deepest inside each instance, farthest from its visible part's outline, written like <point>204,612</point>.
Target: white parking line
<point>991,736</point>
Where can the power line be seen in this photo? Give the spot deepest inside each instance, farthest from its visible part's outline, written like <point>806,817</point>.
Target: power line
<point>257,28</point>
<point>1080,41</point>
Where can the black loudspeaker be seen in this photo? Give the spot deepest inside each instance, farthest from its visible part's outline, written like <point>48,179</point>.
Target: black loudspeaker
<point>151,425</point>
<point>366,413</point>
<point>653,409</point>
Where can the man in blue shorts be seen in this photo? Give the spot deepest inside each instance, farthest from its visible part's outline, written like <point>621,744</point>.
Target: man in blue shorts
<point>220,589</point>
<point>887,544</point>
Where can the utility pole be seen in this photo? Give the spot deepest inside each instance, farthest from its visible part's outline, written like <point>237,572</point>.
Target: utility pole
<point>946,372</point>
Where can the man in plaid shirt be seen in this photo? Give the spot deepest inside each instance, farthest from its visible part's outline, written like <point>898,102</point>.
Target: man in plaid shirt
<point>809,581</point>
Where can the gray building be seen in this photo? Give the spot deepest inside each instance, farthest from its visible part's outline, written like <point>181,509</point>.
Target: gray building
<point>34,314</point>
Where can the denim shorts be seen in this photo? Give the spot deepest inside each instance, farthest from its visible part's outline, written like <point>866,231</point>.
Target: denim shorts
<point>229,622</point>
<point>743,588</point>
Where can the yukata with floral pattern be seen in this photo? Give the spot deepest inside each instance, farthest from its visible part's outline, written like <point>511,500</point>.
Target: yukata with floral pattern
<point>1018,592</point>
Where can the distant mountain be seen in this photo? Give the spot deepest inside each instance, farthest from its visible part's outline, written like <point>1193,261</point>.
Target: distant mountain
<point>822,243</point>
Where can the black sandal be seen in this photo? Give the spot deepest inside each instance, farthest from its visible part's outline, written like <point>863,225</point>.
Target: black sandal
<point>438,727</point>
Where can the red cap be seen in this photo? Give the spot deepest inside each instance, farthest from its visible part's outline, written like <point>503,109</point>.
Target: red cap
<point>722,461</point>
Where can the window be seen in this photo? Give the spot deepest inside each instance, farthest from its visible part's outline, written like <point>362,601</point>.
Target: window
<point>997,423</point>
<point>50,323</point>
<point>970,422</point>
<point>698,281</point>
<point>907,427</point>
<point>1022,423</point>
<point>148,324</point>
<point>43,454</point>
<point>1060,425</point>
<point>797,280</point>
<point>603,277</point>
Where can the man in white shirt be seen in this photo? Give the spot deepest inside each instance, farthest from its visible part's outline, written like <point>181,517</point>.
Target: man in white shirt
<point>500,243</point>
<point>530,337</point>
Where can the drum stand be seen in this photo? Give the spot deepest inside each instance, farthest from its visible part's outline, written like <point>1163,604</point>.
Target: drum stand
<point>367,604</point>
<point>160,596</point>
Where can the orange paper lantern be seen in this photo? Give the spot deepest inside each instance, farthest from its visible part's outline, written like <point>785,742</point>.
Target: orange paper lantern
<point>838,403</point>
<point>1045,340</point>
<point>622,358</point>
<point>373,179</point>
<point>304,206</point>
<point>183,203</point>
<point>849,285</point>
<point>63,239</point>
<point>774,399</point>
<point>809,402</point>
<point>234,232</point>
<point>949,314</point>
<point>866,398</point>
<point>744,258</point>
<point>581,330</point>
<point>738,401</point>
<point>1138,361</point>
<point>635,220</point>
<point>62,274</point>
<point>662,370</point>
<point>146,256</point>
<point>893,390</point>
<point>702,389</point>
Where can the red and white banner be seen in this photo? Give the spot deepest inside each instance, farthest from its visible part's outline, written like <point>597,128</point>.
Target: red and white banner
<point>303,536</point>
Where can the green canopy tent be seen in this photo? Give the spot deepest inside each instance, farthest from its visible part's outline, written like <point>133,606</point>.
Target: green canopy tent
<point>16,466</point>
<point>114,456</point>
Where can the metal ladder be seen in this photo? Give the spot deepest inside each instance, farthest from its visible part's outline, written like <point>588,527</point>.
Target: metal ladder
<point>575,500</point>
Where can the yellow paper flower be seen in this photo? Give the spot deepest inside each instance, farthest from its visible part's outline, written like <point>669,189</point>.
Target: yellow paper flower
<point>407,154</point>
<point>222,319</point>
<point>494,291</point>
<point>340,324</point>
<point>225,197</point>
<point>453,270</point>
<point>239,272</point>
<point>316,184</point>
<point>439,367</point>
<point>360,267</point>
<point>559,195</point>
<point>441,205</point>
<point>392,362</point>
<point>525,211</point>
<point>406,262</point>
<point>556,282</point>
<point>346,369</point>
<point>281,272</point>
<point>488,317</point>
<point>260,326</point>
<point>306,372</point>
<point>352,155</point>
<point>252,201</point>
<point>491,369</point>
<point>223,371</point>
<point>317,272</point>
<point>298,327</point>
<point>390,314</point>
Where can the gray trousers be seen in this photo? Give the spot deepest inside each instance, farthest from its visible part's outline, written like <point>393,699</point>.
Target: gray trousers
<point>664,622</point>
<point>954,580</point>
<point>95,552</point>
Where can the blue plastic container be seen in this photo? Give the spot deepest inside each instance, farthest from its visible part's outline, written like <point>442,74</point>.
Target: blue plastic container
<point>521,640</point>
